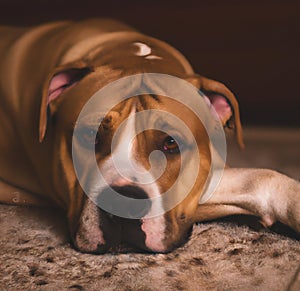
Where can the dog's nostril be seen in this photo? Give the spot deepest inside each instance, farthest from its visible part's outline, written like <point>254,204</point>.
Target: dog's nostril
<point>128,201</point>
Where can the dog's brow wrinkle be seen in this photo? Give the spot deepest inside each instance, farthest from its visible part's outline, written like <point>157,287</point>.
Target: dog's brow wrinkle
<point>155,97</point>
<point>163,123</point>
<point>90,119</point>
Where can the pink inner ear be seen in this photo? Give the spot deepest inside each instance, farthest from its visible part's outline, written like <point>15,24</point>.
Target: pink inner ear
<point>59,83</point>
<point>64,80</point>
<point>221,106</point>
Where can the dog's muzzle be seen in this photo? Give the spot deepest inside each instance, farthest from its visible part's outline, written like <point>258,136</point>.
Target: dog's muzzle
<point>118,230</point>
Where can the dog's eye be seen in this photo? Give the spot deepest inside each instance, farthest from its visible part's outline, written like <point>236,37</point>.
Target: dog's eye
<point>170,145</point>
<point>88,137</point>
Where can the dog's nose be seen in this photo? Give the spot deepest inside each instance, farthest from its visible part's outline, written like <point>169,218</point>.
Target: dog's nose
<point>111,202</point>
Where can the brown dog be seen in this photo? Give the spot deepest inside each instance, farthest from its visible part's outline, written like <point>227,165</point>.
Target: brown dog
<point>49,72</point>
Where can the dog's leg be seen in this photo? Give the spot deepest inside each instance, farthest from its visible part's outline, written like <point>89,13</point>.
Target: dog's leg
<point>16,196</point>
<point>264,193</point>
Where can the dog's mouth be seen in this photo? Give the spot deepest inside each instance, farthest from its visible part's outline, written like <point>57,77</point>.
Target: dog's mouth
<point>102,231</point>
<point>122,234</point>
<point>123,229</point>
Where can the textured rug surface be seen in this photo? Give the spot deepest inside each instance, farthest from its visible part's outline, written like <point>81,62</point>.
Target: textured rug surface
<point>35,253</point>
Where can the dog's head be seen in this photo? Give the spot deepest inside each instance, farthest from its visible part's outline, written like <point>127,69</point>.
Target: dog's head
<point>129,149</point>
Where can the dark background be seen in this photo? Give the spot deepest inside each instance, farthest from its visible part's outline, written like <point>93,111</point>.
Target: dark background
<point>252,46</point>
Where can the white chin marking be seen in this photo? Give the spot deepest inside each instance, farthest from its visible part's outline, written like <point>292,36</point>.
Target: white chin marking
<point>154,229</point>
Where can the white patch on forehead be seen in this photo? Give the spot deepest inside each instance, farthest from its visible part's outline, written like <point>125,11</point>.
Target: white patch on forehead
<point>144,50</point>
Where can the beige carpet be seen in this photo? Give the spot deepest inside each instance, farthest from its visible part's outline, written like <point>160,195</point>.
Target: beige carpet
<point>35,253</point>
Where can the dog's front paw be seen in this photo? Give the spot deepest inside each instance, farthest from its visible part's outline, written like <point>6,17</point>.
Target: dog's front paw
<point>285,200</point>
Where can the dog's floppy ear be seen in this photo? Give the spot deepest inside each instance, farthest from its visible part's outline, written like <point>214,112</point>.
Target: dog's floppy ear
<point>223,101</point>
<point>57,82</point>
